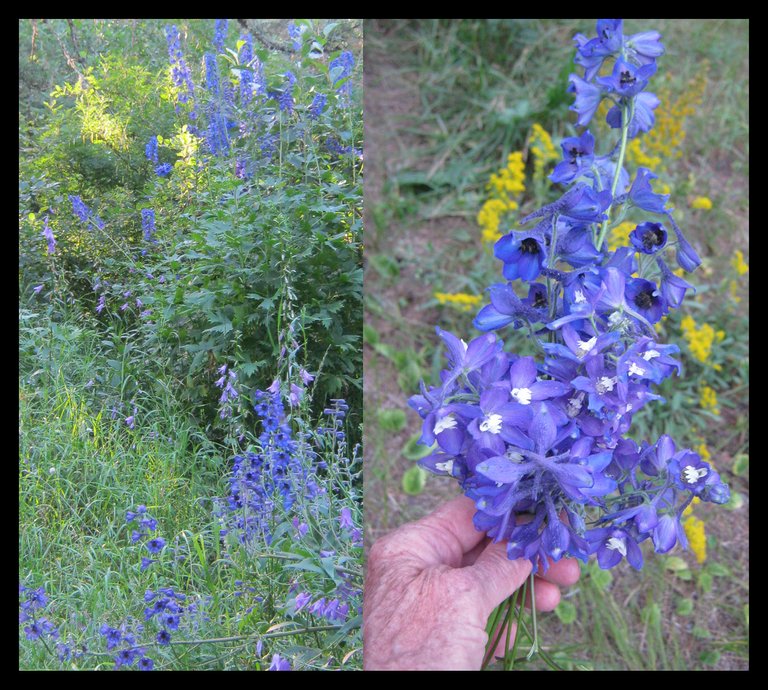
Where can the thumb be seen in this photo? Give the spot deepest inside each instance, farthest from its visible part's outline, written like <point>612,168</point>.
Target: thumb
<point>496,576</point>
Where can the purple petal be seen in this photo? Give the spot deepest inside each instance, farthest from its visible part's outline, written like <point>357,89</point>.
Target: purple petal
<point>523,372</point>
<point>543,430</point>
<point>502,469</point>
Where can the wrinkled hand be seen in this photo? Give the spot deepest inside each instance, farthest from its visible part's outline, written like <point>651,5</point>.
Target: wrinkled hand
<point>431,587</point>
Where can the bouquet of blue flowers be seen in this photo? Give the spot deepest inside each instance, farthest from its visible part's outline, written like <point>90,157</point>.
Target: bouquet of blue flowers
<point>539,443</point>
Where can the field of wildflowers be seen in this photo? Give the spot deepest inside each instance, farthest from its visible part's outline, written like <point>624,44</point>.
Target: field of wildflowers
<point>190,376</point>
<point>436,208</point>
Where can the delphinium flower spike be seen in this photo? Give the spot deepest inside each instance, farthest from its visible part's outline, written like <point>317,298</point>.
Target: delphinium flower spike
<point>545,438</point>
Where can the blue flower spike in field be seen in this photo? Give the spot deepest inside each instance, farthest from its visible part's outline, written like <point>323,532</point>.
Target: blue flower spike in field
<point>540,444</point>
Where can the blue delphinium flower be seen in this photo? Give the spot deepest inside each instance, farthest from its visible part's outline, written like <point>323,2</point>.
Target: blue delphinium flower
<point>547,440</point>
<point>649,238</point>
<point>48,235</point>
<point>163,170</point>
<point>148,223</point>
<point>285,97</point>
<point>279,664</point>
<point>156,545</point>
<point>79,208</point>
<point>295,33</point>
<point>150,150</point>
<point>578,154</point>
<point>180,73</point>
<point>317,106</point>
<point>220,35</point>
<point>211,74</point>
<point>340,69</point>
<point>246,69</point>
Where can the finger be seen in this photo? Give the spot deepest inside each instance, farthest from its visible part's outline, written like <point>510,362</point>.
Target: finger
<point>564,573</point>
<point>448,533</point>
<point>472,555</point>
<point>495,575</point>
<point>547,595</point>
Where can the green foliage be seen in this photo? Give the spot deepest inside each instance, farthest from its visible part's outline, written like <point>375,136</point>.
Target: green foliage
<point>391,419</point>
<point>240,259</point>
<point>414,480</point>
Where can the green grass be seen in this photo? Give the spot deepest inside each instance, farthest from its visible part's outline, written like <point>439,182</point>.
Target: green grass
<point>80,470</point>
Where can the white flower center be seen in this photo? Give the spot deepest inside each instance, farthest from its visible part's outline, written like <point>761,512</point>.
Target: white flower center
<point>464,344</point>
<point>618,320</point>
<point>648,355</point>
<point>513,455</point>
<point>446,466</point>
<point>447,422</point>
<point>692,475</point>
<point>585,346</point>
<point>579,297</point>
<point>522,395</point>
<point>574,405</point>
<point>617,544</point>
<point>605,384</point>
<point>491,423</point>
<point>634,369</point>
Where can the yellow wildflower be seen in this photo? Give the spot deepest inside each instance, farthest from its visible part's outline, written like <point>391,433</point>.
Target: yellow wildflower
<point>702,202</point>
<point>708,399</point>
<point>697,538</point>
<point>739,265</point>
<point>619,236</point>
<point>733,290</point>
<point>490,215</point>
<point>509,180</point>
<point>459,300</point>
<point>699,339</point>
<point>638,157</point>
<point>689,510</point>
<point>665,140</point>
<point>703,451</point>
<point>543,150</point>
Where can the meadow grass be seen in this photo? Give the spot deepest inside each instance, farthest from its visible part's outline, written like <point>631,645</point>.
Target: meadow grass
<point>81,470</point>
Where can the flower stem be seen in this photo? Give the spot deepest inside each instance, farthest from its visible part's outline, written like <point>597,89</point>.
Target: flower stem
<point>627,112</point>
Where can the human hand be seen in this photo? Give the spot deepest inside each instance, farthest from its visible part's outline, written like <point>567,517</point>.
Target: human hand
<point>431,587</point>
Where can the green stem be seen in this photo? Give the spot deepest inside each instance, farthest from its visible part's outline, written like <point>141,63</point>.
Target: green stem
<point>520,625</point>
<point>494,642</point>
<point>627,113</point>
<point>535,643</point>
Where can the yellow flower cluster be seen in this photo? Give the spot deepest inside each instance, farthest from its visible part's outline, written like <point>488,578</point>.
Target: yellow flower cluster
<point>697,537</point>
<point>700,339</point>
<point>708,399</point>
<point>739,265</point>
<point>640,158</point>
<point>460,300</point>
<point>619,236</point>
<point>733,291</point>
<point>703,451</point>
<point>665,140</point>
<point>543,150</point>
<point>702,202</point>
<point>507,182</point>
<point>689,510</point>
<point>490,215</point>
